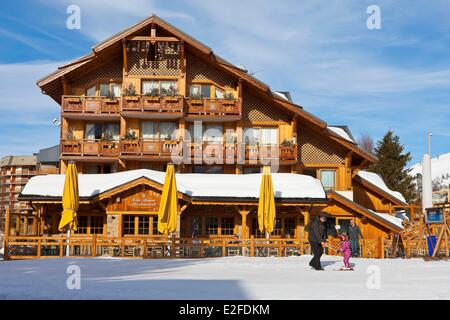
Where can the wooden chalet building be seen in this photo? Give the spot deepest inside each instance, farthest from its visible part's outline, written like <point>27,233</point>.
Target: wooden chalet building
<point>152,94</point>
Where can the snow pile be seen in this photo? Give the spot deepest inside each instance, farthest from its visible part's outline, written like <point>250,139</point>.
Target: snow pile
<point>236,278</point>
<point>440,169</point>
<point>342,133</point>
<point>377,181</point>
<point>286,185</point>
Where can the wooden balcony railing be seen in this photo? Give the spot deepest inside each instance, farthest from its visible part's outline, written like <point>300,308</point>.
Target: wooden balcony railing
<point>90,105</point>
<point>150,147</point>
<point>237,150</point>
<point>213,107</point>
<point>90,148</point>
<point>144,103</point>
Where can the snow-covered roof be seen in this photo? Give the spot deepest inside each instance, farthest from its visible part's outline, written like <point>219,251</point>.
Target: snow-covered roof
<point>286,185</point>
<point>390,218</point>
<point>342,133</point>
<point>377,181</point>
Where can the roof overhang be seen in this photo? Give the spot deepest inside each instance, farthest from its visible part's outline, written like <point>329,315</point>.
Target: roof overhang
<point>332,195</point>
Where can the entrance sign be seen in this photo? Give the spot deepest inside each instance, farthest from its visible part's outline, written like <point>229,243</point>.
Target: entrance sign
<point>434,215</point>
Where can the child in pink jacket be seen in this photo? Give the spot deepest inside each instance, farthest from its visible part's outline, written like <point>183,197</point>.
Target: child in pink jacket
<point>345,250</point>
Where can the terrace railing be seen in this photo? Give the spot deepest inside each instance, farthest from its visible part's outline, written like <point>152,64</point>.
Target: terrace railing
<point>90,105</point>
<point>97,148</point>
<point>213,106</point>
<point>148,104</point>
<point>150,147</point>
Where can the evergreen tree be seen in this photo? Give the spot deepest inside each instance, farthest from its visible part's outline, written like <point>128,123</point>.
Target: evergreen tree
<point>391,165</point>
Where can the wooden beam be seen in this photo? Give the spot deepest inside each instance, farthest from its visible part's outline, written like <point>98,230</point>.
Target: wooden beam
<point>154,39</point>
<point>125,59</point>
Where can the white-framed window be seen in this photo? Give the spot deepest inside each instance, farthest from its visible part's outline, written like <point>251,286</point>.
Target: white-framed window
<point>150,87</point>
<point>328,179</point>
<point>263,135</point>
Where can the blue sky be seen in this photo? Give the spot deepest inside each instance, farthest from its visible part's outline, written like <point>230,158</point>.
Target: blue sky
<point>395,78</point>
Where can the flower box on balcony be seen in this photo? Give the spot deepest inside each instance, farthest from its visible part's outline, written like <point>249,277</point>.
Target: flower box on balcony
<point>131,98</point>
<point>73,100</point>
<point>111,101</point>
<point>196,101</point>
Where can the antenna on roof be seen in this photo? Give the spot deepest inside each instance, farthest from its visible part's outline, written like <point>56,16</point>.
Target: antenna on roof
<point>243,67</point>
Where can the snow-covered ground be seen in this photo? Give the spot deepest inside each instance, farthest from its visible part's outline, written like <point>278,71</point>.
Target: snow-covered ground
<point>226,278</point>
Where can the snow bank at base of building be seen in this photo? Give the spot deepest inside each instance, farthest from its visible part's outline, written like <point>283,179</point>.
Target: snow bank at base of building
<point>377,181</point>
<point>286,185</point>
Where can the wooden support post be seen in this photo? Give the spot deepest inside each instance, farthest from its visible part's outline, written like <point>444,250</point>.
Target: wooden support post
<point>39,249</point>
<point>223,248</point>
<point>61,248</point>
<point>174,250</point>
<point>280,248</point>
<point>122,247</point>
<point>252,246</point>
<point>244,214</point>
<point>381,246</point>
<point>6,246</point>
<point>125,59</point>
<point>144,248</point>
<point>94,245</point>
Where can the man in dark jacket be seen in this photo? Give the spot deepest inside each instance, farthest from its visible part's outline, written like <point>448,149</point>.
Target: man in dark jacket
<point>317,239</point>
<point>354,233</point>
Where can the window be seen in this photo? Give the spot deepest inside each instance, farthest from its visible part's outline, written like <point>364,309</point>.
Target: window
<point>195,226</point>
<point>155,225</point>
<point>157,87</point>
<point>150,87</point>
<point>289,227</point>
<point>328,179</point>
<point>255,229</point>
<point>149,130</point>
<point>144,225</point>
<point>167,130</point>
<point>98,131</point>
<point>128,225</point>
<point>91,92</point>
<point>227,226</point>
<point>267,136</point>
<point>209,132</point>
<point>250,170</point>
<point>200,91</point>
<point>277,229</point>
<point>213,133</point>
<point>82,227</point>
<point>90,225</point>
<point>105,89</point>
<point>168,88</point>
<point>212,225</point>
<point>96,225</point>
<point>218,94</point>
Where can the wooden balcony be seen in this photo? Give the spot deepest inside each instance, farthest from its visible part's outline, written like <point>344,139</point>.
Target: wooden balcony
<point>238,151</point>
<point>73,106</point>
<point>90,148</point>
<point>144,147</point>
<point>155,107</point>
<point>217,109</point>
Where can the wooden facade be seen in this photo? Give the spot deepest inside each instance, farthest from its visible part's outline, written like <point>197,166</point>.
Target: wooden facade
<point>132,103</point>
